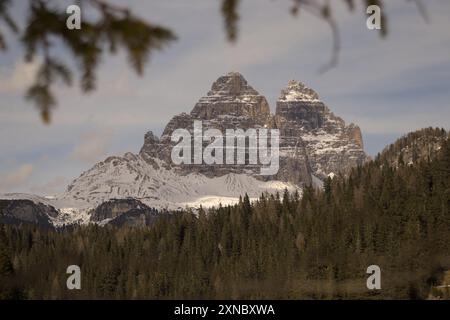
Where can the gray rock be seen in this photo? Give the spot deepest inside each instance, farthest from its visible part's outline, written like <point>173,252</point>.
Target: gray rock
<point>314,143</point>
<point>20,212</point>
<point>312,139</point>
<point>124,212</point>
<point>331,145</point>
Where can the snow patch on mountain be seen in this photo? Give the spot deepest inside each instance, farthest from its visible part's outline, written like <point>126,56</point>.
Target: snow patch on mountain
<point>314,144</point>
<point>297,91</point>
<point>156,186</point>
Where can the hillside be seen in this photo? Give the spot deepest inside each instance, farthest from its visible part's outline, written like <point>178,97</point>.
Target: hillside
<point>288,246</point>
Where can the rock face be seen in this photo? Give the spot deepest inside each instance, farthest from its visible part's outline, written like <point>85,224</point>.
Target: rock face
<point>314,143</point>
<point>231,96</point>
<point>331,146</point>
<point>230,104</point>
<point>124,212</point>
<point>19,212</point>
<point>312,139</point>
<point>150,182</point>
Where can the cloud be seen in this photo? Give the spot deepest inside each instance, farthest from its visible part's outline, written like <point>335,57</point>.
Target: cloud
<point>93,146</point>
<point>19,77</point>
<point>51,187</point>
<point>387,87</point>
<point>17,177</point>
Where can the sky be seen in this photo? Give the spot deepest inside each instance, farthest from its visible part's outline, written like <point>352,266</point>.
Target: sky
<point>388,87</point>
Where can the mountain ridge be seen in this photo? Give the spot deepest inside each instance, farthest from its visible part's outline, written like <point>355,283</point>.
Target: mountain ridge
<point>132,212</point>
<point>314,143</point>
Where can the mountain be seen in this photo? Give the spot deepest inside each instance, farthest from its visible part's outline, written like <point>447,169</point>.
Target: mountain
<point>25,211</point>
<point>420,145</point>
<point>317,246</point>
<point>313,144</point>
<point>329,145</point>
<point>313,140</point>
<point>124,212</point>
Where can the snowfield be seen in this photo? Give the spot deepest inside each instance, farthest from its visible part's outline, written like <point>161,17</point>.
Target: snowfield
<point>132,177</point>
<point>156,186</point>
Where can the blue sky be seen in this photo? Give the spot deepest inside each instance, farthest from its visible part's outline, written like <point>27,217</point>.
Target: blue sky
<point>388,87</point>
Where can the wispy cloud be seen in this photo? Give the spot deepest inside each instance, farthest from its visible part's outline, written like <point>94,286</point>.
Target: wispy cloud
<point>17,177</point>
<point>388,87</point>
<point>16,80</point>
<point>54,186</point>
<point>93,146</point>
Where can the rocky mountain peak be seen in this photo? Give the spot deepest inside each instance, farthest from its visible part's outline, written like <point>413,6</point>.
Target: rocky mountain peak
<point>297,91</point>
<point>232,84</point>
<point>301,104</point>
<point>231,95</point>
<point>151,137</point>
<point>313,144</point>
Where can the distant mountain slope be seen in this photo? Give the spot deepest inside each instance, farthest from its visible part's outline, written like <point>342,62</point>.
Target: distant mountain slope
<point>414,147</point>
<point>125,187</point>
<point>27,212</point>
<point>314,143</point>
<point>133,177</point>
<point>124,212</point>
<point>317,246</point>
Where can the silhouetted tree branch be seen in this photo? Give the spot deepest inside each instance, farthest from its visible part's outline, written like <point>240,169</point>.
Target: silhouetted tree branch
<point>231,18</point>
<point>114,28</point>
<point>117,28</point>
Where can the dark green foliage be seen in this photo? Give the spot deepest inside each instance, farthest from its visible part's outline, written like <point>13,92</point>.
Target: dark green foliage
<point>45,29</point>
<point>6,267</point>
<point>315,246</point>
<point>420,145</point>
<point>8,279</point>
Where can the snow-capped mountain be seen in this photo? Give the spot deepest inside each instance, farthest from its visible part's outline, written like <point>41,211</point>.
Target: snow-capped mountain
<point>131,176</point>
<point>313,144</point>
<point>331,146</point>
